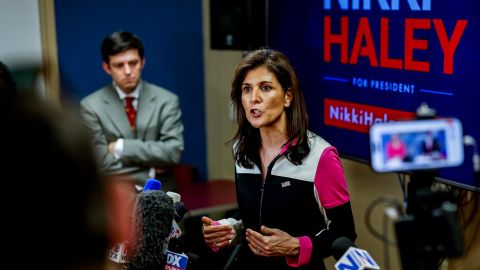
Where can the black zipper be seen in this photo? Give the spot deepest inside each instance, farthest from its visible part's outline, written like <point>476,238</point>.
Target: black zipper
<point>262,187</point>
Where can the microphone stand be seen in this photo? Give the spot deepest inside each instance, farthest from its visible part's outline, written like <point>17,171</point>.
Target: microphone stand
<point>429,231</point>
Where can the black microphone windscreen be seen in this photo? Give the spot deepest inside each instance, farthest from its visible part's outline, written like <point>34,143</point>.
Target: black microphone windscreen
<point>340,246</point>
<point>153,217</point>
<point>180,210</point>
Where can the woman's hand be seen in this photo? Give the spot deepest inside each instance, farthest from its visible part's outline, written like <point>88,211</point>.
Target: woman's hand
<point>272,242</point>
<point>215,235</point>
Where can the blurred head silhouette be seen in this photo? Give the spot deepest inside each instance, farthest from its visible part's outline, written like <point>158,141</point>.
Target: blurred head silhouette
<point>57,217</point>
<point>7,83</point>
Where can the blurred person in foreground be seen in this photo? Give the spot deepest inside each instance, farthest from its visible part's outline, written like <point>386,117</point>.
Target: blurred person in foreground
<point>7,83</point>
<point>292,195</point>
<point>56,215</point>
<point>136,126</point>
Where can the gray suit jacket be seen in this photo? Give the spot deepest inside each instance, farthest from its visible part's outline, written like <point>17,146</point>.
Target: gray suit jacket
<point>157,140</point>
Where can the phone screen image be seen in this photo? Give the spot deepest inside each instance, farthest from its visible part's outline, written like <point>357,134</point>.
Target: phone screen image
<point>417,148</point>
<point>416,145</point>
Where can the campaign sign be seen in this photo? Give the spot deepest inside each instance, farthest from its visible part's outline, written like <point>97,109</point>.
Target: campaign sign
<point>362,62</point>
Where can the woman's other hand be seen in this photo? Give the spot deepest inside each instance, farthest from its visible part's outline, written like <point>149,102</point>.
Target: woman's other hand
<point>215,234</point>
<point>272,242</point>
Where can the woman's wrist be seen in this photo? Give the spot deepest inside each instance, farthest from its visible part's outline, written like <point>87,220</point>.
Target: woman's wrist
<point>302,254</point>
<point>295,250</point>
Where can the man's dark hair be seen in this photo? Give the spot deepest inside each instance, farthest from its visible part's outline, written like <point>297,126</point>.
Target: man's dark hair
<point>118,42</point>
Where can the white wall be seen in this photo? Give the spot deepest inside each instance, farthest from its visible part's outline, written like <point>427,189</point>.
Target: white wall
<point>20,33</point>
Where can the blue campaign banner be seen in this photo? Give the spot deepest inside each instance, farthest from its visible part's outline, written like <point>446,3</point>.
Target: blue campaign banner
<point>362,62</point>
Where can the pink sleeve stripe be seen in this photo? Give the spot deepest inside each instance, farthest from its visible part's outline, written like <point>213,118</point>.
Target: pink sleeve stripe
<point>330,180</point>
<point>304,255</point>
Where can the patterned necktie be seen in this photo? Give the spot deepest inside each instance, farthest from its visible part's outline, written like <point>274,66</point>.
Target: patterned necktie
<point>130,110</point>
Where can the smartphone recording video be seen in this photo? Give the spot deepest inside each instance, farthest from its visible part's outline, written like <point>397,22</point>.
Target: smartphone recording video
<point>416,145</point>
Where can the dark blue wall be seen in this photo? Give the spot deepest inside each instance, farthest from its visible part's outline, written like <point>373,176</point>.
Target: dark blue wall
<point>173,38</point>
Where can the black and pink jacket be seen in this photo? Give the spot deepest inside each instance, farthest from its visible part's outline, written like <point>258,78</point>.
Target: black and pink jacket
<point>309,201</point>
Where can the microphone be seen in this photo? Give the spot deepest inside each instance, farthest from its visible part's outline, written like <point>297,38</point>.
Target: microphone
<point>349,257</point>
<point>176,243</point>
<point>180,207</point>
<point>174,258</point>
<point>152,184</point>
<point>120,253</point>
<point>153,216</point>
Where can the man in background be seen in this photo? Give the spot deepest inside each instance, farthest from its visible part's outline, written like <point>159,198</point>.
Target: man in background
<point>136,126</point>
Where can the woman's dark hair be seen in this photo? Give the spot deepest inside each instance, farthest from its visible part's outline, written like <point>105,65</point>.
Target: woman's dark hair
<point>247,138</point>
<point>118,42</point>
